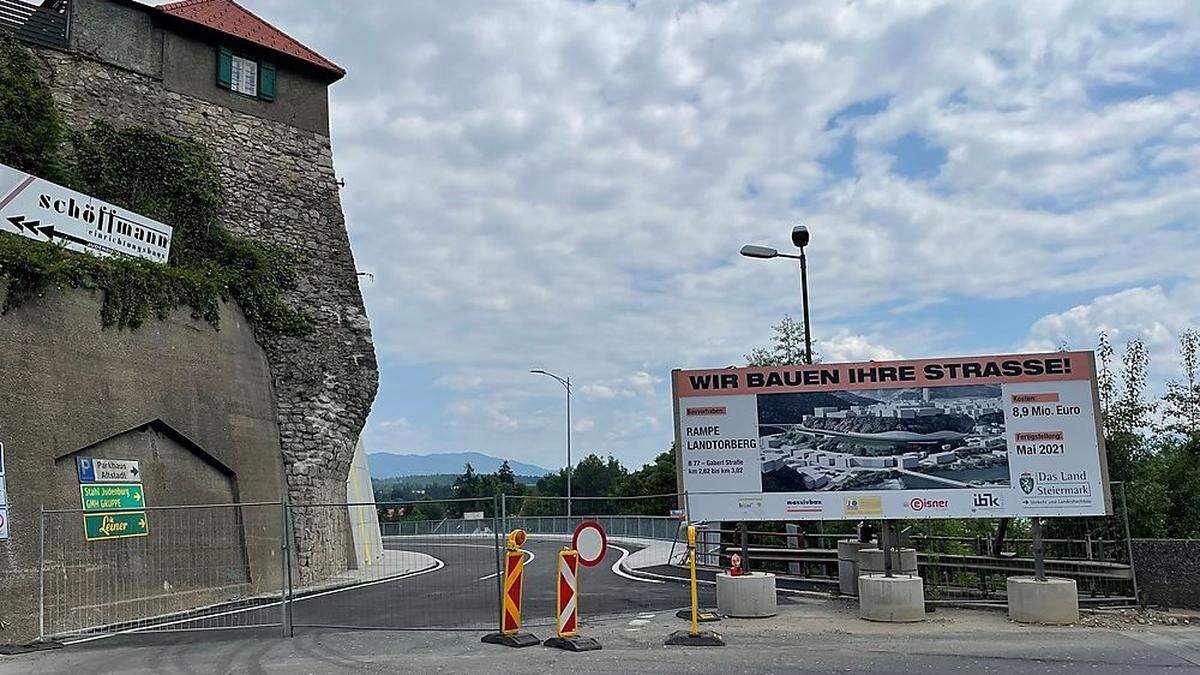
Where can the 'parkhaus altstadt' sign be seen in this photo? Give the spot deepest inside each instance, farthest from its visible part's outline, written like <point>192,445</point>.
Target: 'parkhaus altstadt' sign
<point>45,211</point>
<point>973,437</point>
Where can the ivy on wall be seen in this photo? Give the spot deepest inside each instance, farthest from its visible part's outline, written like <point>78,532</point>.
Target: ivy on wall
<point>169,179</point>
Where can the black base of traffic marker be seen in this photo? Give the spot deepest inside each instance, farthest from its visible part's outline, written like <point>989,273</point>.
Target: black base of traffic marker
<point>573,644</point>
<point>517,640</point>
<point>703,616</point>
<point>705,638</point>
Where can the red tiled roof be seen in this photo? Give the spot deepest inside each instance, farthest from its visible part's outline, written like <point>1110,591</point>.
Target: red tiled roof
<point>231,18</point>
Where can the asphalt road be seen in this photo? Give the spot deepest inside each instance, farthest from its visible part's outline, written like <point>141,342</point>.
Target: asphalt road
<point>462,593</point>
<point>808,636</point>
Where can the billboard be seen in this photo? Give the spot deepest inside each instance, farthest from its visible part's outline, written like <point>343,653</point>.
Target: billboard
<point>969,437</point>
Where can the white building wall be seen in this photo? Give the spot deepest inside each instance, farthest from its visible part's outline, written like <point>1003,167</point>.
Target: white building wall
<point>364,520</point>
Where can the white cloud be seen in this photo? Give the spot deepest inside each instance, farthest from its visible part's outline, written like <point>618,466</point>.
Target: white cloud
<point>566,185</point>
<point>846,347</point>
<point>1155,315</point>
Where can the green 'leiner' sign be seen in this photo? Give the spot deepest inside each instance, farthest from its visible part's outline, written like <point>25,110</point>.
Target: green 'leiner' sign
<point>111,497</point>
<point>119,525</point>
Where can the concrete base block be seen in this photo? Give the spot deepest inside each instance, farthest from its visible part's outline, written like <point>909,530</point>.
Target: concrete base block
<point>749,596</point>
<point>904,561</point>
<point>847,550</point>
<point>895,599</point>
<point>1053,601</point>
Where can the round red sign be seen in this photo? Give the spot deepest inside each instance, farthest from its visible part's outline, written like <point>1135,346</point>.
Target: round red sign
<point>591,543</point>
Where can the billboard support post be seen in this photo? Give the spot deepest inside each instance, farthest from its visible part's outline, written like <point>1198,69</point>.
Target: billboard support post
<point>1039,551</point>
<point>885,543</point>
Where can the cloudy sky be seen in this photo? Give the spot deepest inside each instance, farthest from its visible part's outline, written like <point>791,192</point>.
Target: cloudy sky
<point>565,185</point>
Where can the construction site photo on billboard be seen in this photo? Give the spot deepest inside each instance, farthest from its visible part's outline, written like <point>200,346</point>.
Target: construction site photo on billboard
<point>958,437</point>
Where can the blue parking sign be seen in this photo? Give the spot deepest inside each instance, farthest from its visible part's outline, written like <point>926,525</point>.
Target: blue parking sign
<point>87,470</point>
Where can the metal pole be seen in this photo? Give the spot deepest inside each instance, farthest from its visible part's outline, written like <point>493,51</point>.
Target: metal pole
<point>745,546</point>
<point>504,513</point>
<point>42,574</point>
<point>1129,542</point>
<point>692,579</point>
<point>499,565</point>
<point>287,557</point>
<point>283,565</point>
<point>808,358</point>
<point>568,386</point>
<point>885,541</point>
<point>1039,553</point>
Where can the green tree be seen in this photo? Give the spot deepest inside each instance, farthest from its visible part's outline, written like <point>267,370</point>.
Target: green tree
<point>1181,402</point>
<point>786,348</point>
<point>654,478</point>
<point>31,130</point>
<point>505,474</point>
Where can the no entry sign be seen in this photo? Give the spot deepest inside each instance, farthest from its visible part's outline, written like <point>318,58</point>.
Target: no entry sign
<point>591,543</point>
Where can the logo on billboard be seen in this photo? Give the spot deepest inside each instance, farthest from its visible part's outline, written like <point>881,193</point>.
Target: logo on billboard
<point>986,500</point>
<point>869,505</point>
<point>804,505</point>
<point>1026,483</point>
<point>707,410</point>
<point>921,503</point>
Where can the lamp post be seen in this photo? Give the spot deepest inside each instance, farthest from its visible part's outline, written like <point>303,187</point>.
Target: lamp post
<point>800,240</point>
<point>566,383</point>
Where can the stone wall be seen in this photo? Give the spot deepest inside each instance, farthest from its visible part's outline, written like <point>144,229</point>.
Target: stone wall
<point>279,186</point>
<point>1168,571</point>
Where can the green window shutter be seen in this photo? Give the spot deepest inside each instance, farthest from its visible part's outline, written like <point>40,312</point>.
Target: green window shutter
<point>224,68</point>
<point>266,81</point>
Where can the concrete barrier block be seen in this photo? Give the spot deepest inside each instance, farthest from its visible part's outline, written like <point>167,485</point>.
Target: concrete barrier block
<point>894,599</point>
<point>1054,601</point>
<point>749,596</point>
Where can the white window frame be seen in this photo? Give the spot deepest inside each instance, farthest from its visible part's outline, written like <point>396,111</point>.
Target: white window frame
<point>244,76</point>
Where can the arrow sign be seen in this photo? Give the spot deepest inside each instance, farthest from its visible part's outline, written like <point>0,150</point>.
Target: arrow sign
<point>28,206</point>
<point>21,224</point>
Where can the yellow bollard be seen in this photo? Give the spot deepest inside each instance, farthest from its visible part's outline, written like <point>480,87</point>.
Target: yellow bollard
<point>695,637</point>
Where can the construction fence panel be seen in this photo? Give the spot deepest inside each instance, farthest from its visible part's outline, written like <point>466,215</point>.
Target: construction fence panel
<point>162,568</point>
<point>439,569</point>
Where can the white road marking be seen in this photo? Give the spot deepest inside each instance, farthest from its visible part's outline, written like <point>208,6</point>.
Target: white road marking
<point>438,564</point>
<point>527,561</point>
<point>616,568</point>
<point>639,622</point>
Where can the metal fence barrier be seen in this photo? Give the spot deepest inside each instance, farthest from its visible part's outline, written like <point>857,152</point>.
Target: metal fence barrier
<point>162,568</point>
<point>436,564</point>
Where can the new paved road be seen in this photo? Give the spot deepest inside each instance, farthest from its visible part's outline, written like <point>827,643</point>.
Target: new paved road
<point>459,590</point>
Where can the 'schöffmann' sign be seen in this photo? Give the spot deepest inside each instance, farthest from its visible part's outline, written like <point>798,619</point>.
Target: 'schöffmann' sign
<point>48,212</point>
<point>984,437</point>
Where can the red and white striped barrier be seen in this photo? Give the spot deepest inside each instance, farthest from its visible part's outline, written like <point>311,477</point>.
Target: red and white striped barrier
<point>568,593</point>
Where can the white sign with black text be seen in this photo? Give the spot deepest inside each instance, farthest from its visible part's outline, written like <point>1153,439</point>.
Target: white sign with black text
<point>45,211</point>
<point>1013,435</point>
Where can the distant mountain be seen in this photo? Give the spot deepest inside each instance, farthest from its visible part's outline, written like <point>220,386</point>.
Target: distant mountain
<point>390,465</point>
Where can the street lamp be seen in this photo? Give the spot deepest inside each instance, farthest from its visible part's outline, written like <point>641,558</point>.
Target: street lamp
<point>566,383</point>
<point>800,240</point>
